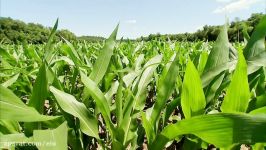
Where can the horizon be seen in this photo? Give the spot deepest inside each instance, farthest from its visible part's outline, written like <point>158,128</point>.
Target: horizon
<point>133,24</point>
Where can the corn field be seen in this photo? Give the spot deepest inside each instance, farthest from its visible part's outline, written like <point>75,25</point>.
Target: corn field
<point>155,95</point>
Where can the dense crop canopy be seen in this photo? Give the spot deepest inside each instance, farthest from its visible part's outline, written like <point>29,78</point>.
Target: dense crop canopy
<point>134,95</point>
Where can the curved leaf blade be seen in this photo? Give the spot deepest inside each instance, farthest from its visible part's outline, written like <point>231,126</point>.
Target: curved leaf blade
<point>192,98</point>
<point>220,51</point>
<point>50,139</point>
<point>165,90</point>
<point>10,81</point>
<point>102,62</point>
<point>221,129</point>
<point>256,42</point>
<point>12,108</point>
<point>237,100</point>
<point>88,123</point>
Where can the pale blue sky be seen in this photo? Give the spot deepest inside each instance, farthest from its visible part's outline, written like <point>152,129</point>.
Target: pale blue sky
<point>137,17</point>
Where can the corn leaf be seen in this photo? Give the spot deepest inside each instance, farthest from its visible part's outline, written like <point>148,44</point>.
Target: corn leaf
<point>256,62</point>
<point>5,55</point>
<point>40,90</point>
<point>218,58</point>
<point>48,51</point>
<point>8,140</point>
<point>192,98</point>
<point>145,79</point>
<point>213,86</point>
<point>221,129</point>
<point>44,139</point>
<point>148,128</point>
<point>165,90</point>
<point>261,110</point>
<point>10,81</point>
<point>102,62</point>
<point>237,100</point>
<point>97,95</point>
<point>256,43</point>
<point>9,127</point>
<point>202,61</point>
<point>88,123</point>
<point>54,139</point>
<point>12,108</point>
<point>71,51</point>
<point>220,51</point>
<point>208,76</point>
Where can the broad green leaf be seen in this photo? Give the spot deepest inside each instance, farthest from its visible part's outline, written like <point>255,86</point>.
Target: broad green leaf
<point>102,62</point>
<point>63,58</point>
<point>10,81</point>
<point>220,51</point>
<point>32,54</point>
<point>148,128</point>
<point>117,145</point>
<point>256,43</point>
<point>236,100</point>
<point>130,77</point>
<point>88,123</point>
<point>119,102</point>
<point>166,68</point>
<point>138,62</point>
<point>261,110</point>
<point>12,108</point>
<point>232,52</point>
<point>9,127</point>
<point>55,139</point>
<point>108,95</point>
<point>256,62</point>
<point>40,90</point>
<point>48,52</point>
<point>5,55</point>
<point>208,76</point>
<point>97,95</point>
<point>202,62</point>
<point>170,108</point>
<point>192,98</point>
<point>259,101</point>
<point>213,86</point>
<point>138,100</point>
<point>220,129</point>
<point>7,141</point>
<point>43,139</point>
<point>39,94</point>
<point>71,51</point>
<point>218,59</point>
<point>165,90</point>
<point>259,146</point>
<point>74,141</point>
<point>145,79</point>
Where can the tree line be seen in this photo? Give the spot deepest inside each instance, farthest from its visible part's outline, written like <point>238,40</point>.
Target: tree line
<point>15,31</point>
<point>210,33</point>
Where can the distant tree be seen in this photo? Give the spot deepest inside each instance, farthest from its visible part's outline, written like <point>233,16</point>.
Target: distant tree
<point>210,33</point>
<point>91,38</point>
<point>15,31</point>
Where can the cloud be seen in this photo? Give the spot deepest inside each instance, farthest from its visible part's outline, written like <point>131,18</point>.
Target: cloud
<point>131,21</point>
<point>235,6</point>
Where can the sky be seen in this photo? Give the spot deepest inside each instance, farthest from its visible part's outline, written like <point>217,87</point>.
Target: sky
<point>136,17</point>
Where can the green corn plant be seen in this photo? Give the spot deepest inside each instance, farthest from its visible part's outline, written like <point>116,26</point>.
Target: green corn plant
<point>134,95</point>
